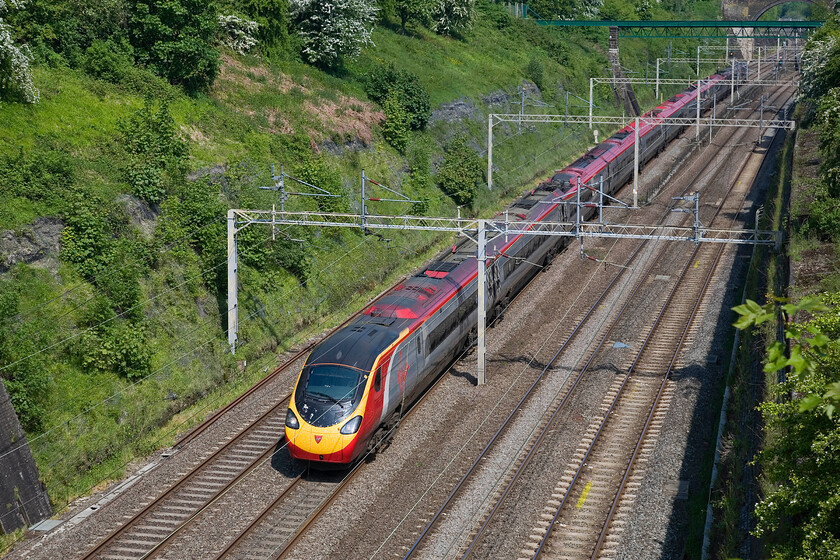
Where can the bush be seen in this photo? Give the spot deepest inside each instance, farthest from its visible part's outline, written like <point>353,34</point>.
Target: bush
<point>314,170</point>
<point>824,219</point>
<point>272,16</point>
<point>176,39</point>
<point>397,121</point>
<point>452,17</point>
<point>28,380</point>
<point>156,155</point>
<point>195,210</point>
<point>42,174</point>
<point>461,172</point>
<point>109,60</point>
<point>535,72</point>
<point>411,94</point>
<point>332,30</point>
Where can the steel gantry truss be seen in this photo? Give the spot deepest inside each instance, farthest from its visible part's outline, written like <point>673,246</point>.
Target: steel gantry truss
<point>481,231</point>
<point>711,29</point>
<point>620,122</point>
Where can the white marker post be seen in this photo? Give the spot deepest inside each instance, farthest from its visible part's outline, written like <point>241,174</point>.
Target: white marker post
<point>482,312</point>
<point>636,166</point>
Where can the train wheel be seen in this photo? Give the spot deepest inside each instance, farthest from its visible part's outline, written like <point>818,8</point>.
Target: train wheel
<point>549,258</point>
<point>470,339</point>
<point>383,436</point>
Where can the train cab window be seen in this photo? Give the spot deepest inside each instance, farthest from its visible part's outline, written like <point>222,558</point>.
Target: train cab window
<point>377,381</point>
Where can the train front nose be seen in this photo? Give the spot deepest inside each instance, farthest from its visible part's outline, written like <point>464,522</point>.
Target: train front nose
<point>320,444</point>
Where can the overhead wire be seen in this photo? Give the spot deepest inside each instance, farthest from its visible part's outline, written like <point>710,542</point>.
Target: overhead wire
<point>24,314</point>
<point>162,368</point>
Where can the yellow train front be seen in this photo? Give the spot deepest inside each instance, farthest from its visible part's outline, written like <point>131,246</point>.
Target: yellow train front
<point>337,404</point>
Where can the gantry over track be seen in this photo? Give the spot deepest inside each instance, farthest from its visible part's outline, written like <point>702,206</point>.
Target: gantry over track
<point>709,29</point>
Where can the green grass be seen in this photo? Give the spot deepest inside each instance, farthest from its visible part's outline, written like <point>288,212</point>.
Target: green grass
<point>246,123</point>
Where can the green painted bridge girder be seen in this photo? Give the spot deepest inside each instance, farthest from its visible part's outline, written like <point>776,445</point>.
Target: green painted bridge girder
<point>710,29</point>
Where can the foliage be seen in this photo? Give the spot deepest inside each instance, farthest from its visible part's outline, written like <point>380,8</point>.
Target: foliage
<point>315,171</point>
<point>60,31</point>
<point>407,90</point>
<point>15,71</point>
<point>26,381</point>
<point>824,216</point>
<point>271,17</point>
<point>155,153</point>
<point>535,72</point>
<point>452,17</point>
<point>195,212</point>
<point>461,172</point>
<point>618,10</point>
<point>809,347</point>
<point>828,117</point>
<point>412,11</point>
<point>109,60</point>
<point>332,30</point>
<point>43,174</point>
<point>820,66</point>
<point>238,33</point>
<point>395,129</point>
<point>800,516</point>
<point>175,38</point>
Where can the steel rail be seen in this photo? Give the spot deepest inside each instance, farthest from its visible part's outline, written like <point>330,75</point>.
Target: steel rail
<point>633,458</point>
<point>528,393</point>
<point>528,457</point>
<point>186,479</point>
<point>607,416</point>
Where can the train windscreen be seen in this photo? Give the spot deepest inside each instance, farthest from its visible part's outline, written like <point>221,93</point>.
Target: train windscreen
<point>327,393</point>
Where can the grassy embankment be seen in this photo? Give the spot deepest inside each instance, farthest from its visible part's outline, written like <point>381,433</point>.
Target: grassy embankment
<point>95,422</point>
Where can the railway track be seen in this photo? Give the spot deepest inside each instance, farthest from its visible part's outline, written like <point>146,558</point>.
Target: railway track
<point>147,533</point>
<point>591,502</point>
<point>538,436</point>
<point>589,494</point>
<point>167,515</point>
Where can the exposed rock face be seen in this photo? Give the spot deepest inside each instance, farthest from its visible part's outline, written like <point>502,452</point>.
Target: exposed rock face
<point>453,112</point>
<point>142,216</point>
<point>36,244</point>
<point>23,499</point>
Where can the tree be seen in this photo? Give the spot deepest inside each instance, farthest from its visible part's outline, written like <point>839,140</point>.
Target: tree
<point>15,72</point>
<point>452,17</point>
<point>799,517</point>
<point>272,17</point>
<point>175,38</point>
<point>237,33</point>
<point>397,120</point>
<point>386,79</point>
<point>332,30</point>
<point>461,171</point>
<point>416,11</point>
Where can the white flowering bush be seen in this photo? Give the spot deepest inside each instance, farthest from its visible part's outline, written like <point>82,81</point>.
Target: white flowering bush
<point>238,33</point>
<point>818,53</point>
<point>451,17</point>
<point>15,70</point>
<point>333,29</point>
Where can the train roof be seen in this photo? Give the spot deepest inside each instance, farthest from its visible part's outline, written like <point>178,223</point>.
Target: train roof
<point>356,345</point>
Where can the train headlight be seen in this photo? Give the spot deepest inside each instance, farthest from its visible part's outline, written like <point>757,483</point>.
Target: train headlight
<point>352,426</point>
<point>291,420</point>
